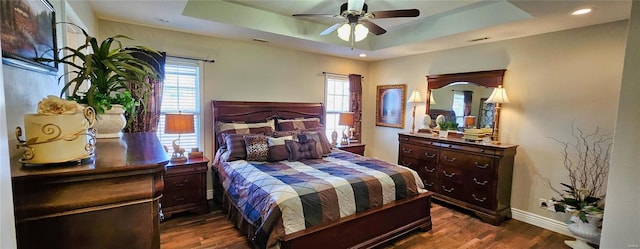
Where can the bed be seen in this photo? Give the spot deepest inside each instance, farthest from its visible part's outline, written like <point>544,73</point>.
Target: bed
<point>383,215</point>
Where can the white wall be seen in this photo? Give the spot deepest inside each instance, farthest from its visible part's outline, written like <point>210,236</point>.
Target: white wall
<point>243,71</point>
<point>551,80</point>
<point>621,225</point>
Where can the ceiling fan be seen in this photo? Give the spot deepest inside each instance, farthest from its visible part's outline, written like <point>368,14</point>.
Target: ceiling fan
<point>356,24</point>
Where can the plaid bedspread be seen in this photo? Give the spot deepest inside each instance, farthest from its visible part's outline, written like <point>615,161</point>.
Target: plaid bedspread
<point>286,197</point>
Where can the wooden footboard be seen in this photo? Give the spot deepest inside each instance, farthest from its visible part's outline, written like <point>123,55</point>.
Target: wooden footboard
<point>368,229</point>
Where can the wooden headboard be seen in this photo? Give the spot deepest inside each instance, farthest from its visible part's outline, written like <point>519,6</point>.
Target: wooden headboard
<point>255,112</point>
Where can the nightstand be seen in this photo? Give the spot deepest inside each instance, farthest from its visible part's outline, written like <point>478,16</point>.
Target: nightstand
<point>185,187</point>
<point>357,148</point>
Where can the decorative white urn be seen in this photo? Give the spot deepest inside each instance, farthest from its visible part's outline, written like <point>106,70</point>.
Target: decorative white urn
<point>585,232</point>
<point>110,123</point>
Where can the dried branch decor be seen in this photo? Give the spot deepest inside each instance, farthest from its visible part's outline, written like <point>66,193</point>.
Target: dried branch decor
<point>587,162</point>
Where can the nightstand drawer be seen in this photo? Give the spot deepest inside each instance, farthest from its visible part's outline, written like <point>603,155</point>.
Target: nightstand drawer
<point>182,183</point>
<point>178,198</point>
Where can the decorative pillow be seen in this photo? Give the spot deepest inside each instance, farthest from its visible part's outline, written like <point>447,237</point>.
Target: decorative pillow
<point>277,148</point>
<point>298,124</point>
<point>298,151</point>
<point>293,133</point>
<point>236,146</point>
<point>257,147</point>
<point>324,147</point>
<point>243,128</point>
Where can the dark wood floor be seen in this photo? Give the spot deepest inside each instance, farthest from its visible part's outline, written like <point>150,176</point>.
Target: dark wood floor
<point>452,228</point>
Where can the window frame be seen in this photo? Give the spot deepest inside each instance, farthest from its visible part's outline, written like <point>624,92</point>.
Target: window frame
<point>199,100</point>
<point>345,96</point>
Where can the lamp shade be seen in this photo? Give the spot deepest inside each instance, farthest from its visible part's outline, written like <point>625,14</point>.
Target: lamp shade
<point>415,97</point>
<point>178,123</point>
<point>360,32</point>
<point>346,118</point>
<point>432,100</point>
<point>344,32</point>
<point>499,95</point>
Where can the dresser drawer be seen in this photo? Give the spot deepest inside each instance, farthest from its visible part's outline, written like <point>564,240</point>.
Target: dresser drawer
<point>419,152</point>
<point>479,196</point>
<point>181,183</point>
<point>453,158</point>
<point>451,174</point>
<point>451,189</point>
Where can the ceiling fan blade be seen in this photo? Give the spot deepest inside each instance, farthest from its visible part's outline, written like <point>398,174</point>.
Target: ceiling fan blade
<point>373,28</point>
<point>395,13</point>
<point>330,15</point>
<point>331,29</point>
<point>355,5</point>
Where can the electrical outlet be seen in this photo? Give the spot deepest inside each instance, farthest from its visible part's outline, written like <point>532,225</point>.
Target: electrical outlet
<point>543,203</point>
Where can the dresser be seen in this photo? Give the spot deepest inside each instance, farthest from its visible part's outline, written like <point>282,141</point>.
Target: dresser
<point>108,201</point>
<point>472,175</point>
<point>185,187</point>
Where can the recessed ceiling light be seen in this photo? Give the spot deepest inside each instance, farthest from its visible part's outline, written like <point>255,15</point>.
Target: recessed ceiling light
<point>581,11</point>
<point>363,55</point>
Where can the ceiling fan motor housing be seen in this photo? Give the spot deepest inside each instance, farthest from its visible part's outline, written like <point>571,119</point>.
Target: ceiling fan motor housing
<point>344,12</point>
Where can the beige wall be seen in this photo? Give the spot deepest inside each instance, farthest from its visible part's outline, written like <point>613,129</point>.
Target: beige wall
<point>552,80</point>
<point>243,71</point>
<point>620,225</point>
<point>20,92</point>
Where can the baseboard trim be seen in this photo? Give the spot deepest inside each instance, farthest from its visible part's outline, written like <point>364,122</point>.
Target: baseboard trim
<point>541,221</point>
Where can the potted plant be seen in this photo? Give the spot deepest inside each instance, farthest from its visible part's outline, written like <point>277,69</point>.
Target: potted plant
<point>587,164</point>
<point>113,75</point>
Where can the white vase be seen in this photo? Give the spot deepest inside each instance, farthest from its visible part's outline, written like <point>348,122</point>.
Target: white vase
<point>110,123</point>
<point>585,232</point>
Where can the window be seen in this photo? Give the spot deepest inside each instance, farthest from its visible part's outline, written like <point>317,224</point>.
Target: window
<point>337,101</point>
<point>458,108</point>
<point>181,93</point>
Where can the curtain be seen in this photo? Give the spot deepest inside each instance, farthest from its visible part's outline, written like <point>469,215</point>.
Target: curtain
<point>148,113</point>
<point>355,105</point>
<point>468,98</point>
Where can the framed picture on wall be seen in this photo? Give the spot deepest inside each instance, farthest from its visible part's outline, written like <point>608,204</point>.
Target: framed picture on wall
<point>390,105</point>
<point>28,32</point>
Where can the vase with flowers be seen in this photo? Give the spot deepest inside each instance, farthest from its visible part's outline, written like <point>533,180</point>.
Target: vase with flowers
<point>587,163</point>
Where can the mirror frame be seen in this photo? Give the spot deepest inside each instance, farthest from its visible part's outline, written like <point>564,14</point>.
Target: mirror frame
<point>492,78</point>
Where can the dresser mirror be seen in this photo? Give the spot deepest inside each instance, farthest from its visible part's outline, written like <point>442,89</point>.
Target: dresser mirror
<point>463,94</point>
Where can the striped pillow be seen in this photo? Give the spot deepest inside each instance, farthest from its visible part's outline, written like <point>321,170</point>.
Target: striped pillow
<point>266,128</point>
<point>298,124</point>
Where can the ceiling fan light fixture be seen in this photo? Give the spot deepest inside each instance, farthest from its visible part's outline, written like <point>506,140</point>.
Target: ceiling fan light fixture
<point>360,32</point>
<point>344,32</point>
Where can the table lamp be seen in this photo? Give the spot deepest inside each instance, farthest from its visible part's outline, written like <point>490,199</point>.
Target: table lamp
<point>177,124</point>
<point>346,119</point>
<point>415,99</point>
<point>498,96</point>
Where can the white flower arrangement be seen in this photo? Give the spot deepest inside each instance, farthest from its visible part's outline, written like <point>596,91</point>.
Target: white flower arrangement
<point>52,105</point>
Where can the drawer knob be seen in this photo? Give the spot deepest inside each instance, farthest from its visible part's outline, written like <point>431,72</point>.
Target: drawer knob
<point>430,156</point>
<point>429,170</point>
<point>407,151</point>
<point>448,175</point>
<point>447,190</point>
<point>484,166</point>
<point>480,183</point>
<point>405,164</point>
<point>450,159</point>
<point>478,199</point>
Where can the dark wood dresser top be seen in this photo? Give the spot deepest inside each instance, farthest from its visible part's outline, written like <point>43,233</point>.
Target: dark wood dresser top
<point>133,151</point>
